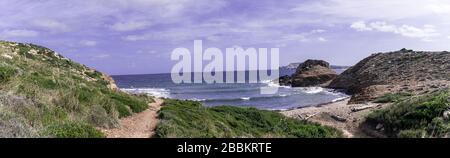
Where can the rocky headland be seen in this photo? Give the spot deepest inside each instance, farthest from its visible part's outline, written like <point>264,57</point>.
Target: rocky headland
<point>416,72</point>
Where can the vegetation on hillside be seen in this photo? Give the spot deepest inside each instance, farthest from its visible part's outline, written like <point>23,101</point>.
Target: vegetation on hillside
<point>392,97</point>
<point>189,119</point>
<point>43,94</point>
<point>417,117</point>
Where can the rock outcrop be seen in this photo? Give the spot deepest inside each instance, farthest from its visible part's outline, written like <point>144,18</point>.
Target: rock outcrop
<point>410,71</point>
<point>310,73</point>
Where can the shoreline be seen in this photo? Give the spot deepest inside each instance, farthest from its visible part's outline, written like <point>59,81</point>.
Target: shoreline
<point>340,115</point>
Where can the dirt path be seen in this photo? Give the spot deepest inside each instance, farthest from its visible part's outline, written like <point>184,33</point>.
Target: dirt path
<point>338,115</point>
<point>140,125</point>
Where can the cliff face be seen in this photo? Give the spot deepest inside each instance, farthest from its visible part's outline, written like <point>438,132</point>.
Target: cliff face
<point>43,94</point>
<point>400,71</point>
<point>310,73</point>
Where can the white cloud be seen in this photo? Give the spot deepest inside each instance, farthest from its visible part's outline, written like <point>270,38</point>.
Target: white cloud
<point>295,37</point>
<point>130,26</point>
<point>426,33</point>
<point>138,37</point>
<point>322,39</point>
<point>19,33</point>
<point>379,9</point>
<point>318,31</point>
<point>360,26</point>
<point>88,43</point>
<point>51,25</point>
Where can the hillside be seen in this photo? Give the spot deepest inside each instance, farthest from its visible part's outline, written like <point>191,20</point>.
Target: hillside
<point>189,119</point>
<point>43,94</point>
<point>406,71</point>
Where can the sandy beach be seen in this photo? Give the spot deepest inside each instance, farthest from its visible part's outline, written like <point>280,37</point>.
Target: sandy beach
<point>340,115</point>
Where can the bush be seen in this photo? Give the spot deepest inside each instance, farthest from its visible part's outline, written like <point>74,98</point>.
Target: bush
<point>134,103</point>
<point>6,72</point>
<point>392,97</point>
<point>73,130</point>
<point>412,134</point>
<point>189,119</point>
<point>418,113</point>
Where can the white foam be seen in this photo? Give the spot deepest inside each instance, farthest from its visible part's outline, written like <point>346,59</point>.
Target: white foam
<point>273,83</point>
<point>339,99</point>
<point>312,90</point>
<point>245,98</point>
<point>156,92</point>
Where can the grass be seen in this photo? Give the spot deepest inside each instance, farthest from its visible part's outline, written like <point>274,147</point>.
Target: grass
<point>73,130</point>
<point>57,97</point>
<point>392,97</point>
<point>415,116</point>
<point>189,119</point>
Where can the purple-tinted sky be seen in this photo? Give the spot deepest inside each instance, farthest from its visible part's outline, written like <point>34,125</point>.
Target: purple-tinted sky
<point>137,36</point>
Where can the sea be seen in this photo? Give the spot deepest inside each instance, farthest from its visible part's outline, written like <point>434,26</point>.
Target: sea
<point>236,94</point>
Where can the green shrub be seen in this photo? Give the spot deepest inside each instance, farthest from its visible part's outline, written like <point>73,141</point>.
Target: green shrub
<point>412,133</point>
<point>135,104</point>
<point>73,130</point>
<point>191,119</point>
<point>415,113</point>
<point>6,72</point>
<point>392,97</point>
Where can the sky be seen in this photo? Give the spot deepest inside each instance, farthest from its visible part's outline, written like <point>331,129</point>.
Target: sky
<point>138,36</point>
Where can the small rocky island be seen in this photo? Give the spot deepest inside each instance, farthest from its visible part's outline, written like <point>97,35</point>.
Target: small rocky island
<point>311,73</point>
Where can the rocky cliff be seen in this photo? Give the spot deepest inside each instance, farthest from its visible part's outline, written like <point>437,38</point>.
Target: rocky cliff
<point>400,71</point>
<point>310,73</point>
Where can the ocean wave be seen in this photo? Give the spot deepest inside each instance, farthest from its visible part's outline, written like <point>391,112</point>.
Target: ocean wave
<point>311,90</point>
<point>216,90</point>
<point>273,83</point>
<point>339,99</point>
<point>156,92</point>
<point>239,98</point>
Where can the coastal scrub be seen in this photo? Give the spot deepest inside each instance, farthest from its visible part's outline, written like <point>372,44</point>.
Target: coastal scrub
<point>189,119</point>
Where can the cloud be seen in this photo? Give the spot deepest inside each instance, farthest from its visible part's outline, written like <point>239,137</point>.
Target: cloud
<point>19,33</point>
<point>425,34</point>
<point>88,43</point>
<point>304,37</point>
<point>130,26</point>
<point>51,25</point>
<point>379,9</point>
<point>322,39</point>
<point>360,26</point>
<point>138,37</point>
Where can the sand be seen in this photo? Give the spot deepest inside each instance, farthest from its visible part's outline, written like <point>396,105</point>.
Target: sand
<point>140,125</point>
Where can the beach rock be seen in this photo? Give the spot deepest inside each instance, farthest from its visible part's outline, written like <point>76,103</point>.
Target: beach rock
<point>310,73</point>
<point>405,70</point>
<point>339,118</point>
<point>379,126</point>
